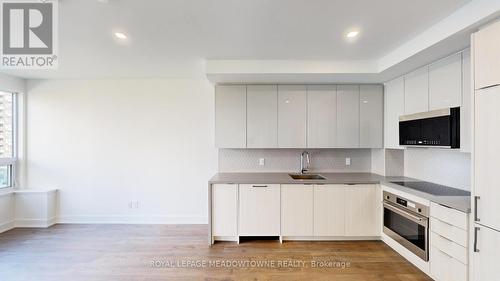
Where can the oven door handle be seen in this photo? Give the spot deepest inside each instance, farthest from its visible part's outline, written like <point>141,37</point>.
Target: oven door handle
<point>420,220</point>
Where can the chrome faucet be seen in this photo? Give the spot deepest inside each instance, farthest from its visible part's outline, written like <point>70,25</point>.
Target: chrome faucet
<point>304,169</point>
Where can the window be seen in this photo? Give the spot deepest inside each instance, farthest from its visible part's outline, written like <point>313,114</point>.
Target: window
<point>7,139</point>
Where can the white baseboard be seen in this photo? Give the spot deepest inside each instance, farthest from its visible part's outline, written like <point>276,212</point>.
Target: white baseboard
<point>35,222</point>
<point>131,220</point>
<point>7,226</point>
<point>330,238</point>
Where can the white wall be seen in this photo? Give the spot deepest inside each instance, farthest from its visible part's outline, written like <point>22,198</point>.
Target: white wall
<point>104,143</point>
<point>442,166</point>
<point>6,211</point>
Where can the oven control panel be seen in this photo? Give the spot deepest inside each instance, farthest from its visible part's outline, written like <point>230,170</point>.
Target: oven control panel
<point>406,204</point>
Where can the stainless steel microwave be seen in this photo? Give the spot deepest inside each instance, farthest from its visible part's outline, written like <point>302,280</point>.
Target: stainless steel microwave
<point>437,128</point>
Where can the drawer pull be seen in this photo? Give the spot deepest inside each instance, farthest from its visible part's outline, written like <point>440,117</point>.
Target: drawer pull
<point>476,218</point>
<point>476,229</point>
<point>259,185</point>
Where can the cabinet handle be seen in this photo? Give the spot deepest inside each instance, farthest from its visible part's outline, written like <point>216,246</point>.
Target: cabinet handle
<point>476,218</point>
<point>259,185</point>
<point>476,229</point>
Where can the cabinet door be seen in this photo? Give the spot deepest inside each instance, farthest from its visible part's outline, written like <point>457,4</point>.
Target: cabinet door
<point>445,82</point>
<point>394,107</point>
<point>230,116</point>
<point>296,210</point>
<point>486,56</point>
<point>225,210</point>
<point>445,268</point>
<point>485,265</point>
<point>465,110</point>
<point>487,155</point>
<point>363,215</point>
<point>262,116</point>
<point>259,210</point>
<point>347,116</point>
<point>292,116</point>
<point>321,116</point>
<point>329,210</point>
<point>371,107</point>
<point>417,91</point>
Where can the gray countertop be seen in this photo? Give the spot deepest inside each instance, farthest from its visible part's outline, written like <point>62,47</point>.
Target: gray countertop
<point>461,203</point>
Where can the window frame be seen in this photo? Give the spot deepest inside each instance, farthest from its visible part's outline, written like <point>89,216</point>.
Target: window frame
<point>12,162</point>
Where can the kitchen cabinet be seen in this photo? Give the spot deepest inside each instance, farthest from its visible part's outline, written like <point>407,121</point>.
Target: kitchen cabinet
<point>443,267</point>
<point>371,106</point>
<point>445,82</point>
<point>262,116</point>
<point>321,116</point>
<point>297,210</point>
<point>417,91</point>
<point>230,116</point>
<point>362,217</point>
<point>466,109</point>
<point>486,56</point>
<point>329,210</point>
<point>348,116</point>
<point>486,255</point>
<point>394,102</point>
<point>487,155</point>
<point>225,210</point>
<point>259,209</point>
<point>292,116</point>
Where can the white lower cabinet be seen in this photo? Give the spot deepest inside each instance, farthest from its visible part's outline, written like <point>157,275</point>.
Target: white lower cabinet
<point>297,210</point>
<point>362,213</point>
<point>225,210</point>
<point>259,210</point>
<point>448,244</point>
<point>329,210</point>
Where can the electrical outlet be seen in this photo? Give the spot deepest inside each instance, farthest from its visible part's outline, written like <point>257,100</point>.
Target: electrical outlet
<point>348,161</point>
<point>262,161</point>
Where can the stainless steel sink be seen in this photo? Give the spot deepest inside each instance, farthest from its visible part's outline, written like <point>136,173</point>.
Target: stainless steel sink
<point>306,177</point>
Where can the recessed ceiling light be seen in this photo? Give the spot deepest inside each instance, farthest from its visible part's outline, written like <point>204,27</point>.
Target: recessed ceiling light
<point>352,34</point>
<point>120,35</point>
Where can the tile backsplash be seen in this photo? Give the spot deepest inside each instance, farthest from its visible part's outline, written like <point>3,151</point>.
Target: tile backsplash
<point>288,160</point>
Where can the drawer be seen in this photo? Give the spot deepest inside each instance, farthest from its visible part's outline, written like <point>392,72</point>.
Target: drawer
<point>449,215</point>
<point>449,247</point>
<point>443,267</point>
<point>449,231</point>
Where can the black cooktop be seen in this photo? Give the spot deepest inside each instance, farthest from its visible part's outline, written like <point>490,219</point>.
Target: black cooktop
<point>432,188</point>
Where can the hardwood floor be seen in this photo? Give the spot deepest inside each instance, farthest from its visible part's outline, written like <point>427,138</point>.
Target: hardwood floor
<point>152,252</point>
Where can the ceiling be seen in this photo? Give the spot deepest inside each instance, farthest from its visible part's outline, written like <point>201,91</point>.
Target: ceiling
<point>172,38</point>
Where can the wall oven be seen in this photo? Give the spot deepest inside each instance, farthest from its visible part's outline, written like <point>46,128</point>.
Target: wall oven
<point>407,223</point>
<point>437,128</point>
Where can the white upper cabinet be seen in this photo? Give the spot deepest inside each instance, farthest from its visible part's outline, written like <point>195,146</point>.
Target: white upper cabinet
<point>486,44</point>
<point>262,116</point>
<point>445,82</point>
<point>321,116</point>
<point>465,110</point>
<point>417,91</point>
<point>371,112</point>
<point>230,116</point>
<point>292,116</point>
<point>394,107</point>
<point>348,116</point>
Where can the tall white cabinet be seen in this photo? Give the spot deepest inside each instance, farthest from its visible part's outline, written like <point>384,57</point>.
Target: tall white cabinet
<point>486,153</point>
<point>262,116</point>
